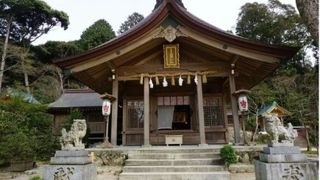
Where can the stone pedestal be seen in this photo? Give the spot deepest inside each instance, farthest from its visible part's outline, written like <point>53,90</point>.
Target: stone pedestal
<point>71,165</point>
<point>284,162</point>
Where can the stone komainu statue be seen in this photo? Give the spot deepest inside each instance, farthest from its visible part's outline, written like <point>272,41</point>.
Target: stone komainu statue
<point>276,129</point>
<point>72,140</point>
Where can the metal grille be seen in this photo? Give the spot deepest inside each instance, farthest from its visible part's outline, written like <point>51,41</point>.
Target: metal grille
<point>213,111</point>
<point>135,114</point>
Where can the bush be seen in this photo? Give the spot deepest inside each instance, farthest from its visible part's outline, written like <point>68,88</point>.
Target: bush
<point>250,123</point>
<point>228,155</point>
<point>25,131</point>
<point>74,114</point>
<point>20,146</point>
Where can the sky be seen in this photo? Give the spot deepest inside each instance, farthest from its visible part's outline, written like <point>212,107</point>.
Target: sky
<point>83,13</point>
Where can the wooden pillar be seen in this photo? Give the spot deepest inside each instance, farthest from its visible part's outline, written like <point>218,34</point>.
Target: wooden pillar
<point>124,122</point>
<point>146,102</point>
<point>200,112</point>
<point>234,106</point>
<point>114,123</point>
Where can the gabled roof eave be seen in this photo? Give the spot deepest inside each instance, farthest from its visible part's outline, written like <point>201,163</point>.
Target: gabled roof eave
<point>170,8</point>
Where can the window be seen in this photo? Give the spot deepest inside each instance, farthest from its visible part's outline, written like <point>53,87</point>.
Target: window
<point>213,111</point>
<point>135,113</point>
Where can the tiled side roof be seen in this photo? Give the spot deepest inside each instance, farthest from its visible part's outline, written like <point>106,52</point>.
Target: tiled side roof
<point>77,98</point>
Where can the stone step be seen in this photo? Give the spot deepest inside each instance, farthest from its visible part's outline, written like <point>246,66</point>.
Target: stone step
<point>221,175</point>
<point>178,150</point>
<point>172,162</point>
<point>172,155</point>
<point>207,168</point>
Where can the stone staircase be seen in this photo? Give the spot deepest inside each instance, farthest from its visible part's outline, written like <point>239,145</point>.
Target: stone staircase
<point>176,163</point>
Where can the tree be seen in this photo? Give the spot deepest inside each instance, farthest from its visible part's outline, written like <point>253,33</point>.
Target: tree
<point>277,24</point>
<point>47,52</point>
<point>272,23</point>
<point>309,10</point>
<point>131,21</point>
<point>52,50</point>
<point>98,33</point>
<point>24,21</point>
<point>295,84</point>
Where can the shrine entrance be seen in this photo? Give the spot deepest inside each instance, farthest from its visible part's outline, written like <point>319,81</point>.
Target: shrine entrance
<point>174,113</point>
<point>173,110</point>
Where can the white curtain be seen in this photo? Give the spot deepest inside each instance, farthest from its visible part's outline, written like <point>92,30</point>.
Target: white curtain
<point>165,117</point>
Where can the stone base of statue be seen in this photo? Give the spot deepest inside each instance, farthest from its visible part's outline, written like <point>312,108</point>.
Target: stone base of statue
<point>71,165</point>
<point>284,161</point>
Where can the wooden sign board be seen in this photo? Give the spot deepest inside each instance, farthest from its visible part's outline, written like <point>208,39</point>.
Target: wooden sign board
<point>171,56</point>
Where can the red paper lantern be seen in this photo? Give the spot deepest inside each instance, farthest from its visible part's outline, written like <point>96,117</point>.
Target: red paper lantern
<point>106,108</point>
<point>243,103</point>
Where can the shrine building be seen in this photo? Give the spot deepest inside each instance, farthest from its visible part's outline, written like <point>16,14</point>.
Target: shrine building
<point>174,74</point>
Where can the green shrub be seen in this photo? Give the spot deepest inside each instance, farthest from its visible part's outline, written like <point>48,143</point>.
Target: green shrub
<point>228,155</point>
<point>74,114</point>
<point>250,123</point>
<point>20,146</point>
<point>25,130</point>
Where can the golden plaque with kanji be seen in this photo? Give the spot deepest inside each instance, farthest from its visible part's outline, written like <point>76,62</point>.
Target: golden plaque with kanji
<point>171,56</point>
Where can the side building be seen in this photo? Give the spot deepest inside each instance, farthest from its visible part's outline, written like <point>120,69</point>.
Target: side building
<point>88,102</point>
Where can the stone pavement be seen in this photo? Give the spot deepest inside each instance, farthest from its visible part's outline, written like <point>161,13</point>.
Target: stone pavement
<point>234,176</point>
<point>110,176</point>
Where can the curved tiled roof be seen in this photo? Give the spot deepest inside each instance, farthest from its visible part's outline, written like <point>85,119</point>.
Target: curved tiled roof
<point>77,98</point>
<point>173,8</point>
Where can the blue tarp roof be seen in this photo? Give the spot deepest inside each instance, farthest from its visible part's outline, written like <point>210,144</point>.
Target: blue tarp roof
<point>25,96</point>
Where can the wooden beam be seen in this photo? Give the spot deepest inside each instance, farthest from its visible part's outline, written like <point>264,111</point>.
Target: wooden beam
<point>230,48</point>
<point>193,45</point>
<point>235,59</point>
<point>146,113</point>
<point>114,123</point>
<point>194,67</point>
<point>111,65</point>
<point>136,77</point>
<point>138,53</point>
<point>149,58</point>
<point>234,107</point>
<point>115,54</point>
<point>142,56</point>
<point>224,103</point>
<point>201,112</point>
<point>91,82</point>
<point>194,57</point>
<point>124,122</point>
